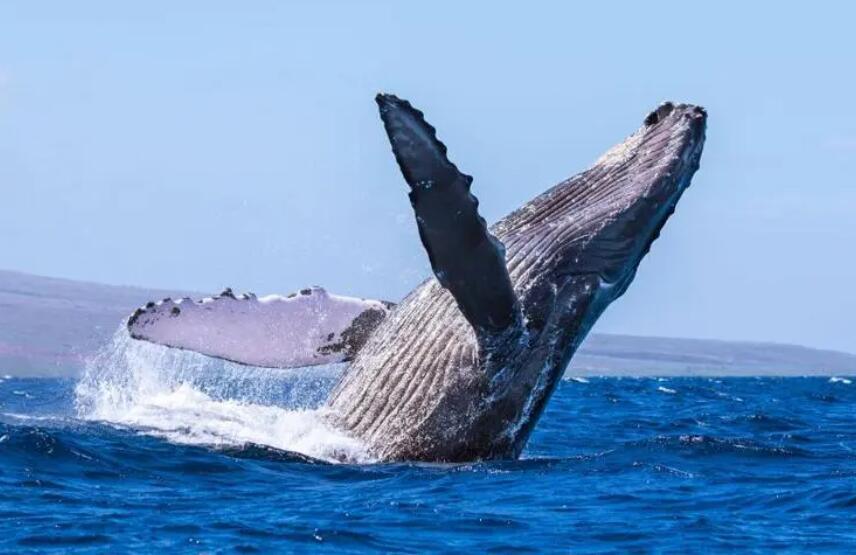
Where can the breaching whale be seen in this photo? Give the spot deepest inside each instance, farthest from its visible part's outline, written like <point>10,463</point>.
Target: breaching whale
<point>463,367</point>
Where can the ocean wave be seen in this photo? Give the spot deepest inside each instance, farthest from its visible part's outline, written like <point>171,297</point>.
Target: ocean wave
<point>652,472</point>
<point>191,399</point>
<point>711,445</point>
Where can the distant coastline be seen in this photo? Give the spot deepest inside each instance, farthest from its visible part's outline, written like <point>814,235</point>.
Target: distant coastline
<point>49,326</point>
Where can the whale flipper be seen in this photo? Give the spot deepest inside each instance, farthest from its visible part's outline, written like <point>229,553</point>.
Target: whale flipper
<point>466,259</point>
<point>306,328</point>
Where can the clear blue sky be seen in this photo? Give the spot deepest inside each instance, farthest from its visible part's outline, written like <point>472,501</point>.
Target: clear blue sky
<point>198,144</point>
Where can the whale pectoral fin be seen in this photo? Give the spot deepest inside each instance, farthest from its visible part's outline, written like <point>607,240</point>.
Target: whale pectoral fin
<point>307,328</point>
<point>466,259</point>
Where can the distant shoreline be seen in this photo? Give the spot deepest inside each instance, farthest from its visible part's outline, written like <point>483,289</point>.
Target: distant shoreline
<point>49,326</point>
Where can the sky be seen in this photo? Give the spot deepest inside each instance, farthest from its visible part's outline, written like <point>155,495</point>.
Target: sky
<point>198,145</point>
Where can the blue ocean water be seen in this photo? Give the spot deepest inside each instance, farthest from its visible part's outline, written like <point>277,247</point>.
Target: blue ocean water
<point>680,465</point>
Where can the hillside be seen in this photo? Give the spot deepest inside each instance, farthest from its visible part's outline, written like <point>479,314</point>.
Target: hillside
<point>48,326</point>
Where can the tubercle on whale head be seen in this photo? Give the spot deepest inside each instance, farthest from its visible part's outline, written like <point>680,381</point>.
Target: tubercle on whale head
<point>666,108</point>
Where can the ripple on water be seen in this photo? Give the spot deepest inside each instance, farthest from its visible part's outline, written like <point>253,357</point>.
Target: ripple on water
<point>691,471</point>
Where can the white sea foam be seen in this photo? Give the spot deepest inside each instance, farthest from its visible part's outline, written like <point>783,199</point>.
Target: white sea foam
<point>836,379</point>
<point>188,398</point>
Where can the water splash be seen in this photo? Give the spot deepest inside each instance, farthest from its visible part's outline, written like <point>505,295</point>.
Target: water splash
<point>189,398</point>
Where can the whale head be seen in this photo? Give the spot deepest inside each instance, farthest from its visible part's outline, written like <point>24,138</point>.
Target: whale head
<point>576,248</point>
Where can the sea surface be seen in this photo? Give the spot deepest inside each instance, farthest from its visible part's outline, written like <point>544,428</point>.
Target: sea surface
<point>156,450</point>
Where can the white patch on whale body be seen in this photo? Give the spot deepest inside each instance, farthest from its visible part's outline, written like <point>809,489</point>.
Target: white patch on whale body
<point>188,398</point>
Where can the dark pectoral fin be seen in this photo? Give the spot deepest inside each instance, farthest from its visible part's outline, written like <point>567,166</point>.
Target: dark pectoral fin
<point>465,257</point>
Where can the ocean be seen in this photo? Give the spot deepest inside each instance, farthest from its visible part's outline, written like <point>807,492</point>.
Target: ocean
<point>160,450</point>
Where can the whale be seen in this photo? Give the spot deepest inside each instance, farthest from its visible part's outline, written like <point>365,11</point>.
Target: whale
<point>463,367</point>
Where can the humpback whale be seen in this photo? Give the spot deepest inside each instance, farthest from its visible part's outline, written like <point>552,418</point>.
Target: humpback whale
<point>463,367</point>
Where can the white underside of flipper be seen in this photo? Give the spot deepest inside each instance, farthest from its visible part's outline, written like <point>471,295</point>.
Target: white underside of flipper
<point>302,329</point>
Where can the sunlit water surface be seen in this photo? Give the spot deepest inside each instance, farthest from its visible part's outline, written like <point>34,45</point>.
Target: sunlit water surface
<point>200,460</point>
